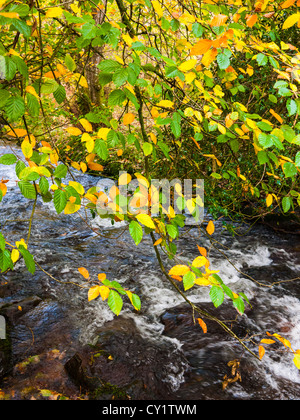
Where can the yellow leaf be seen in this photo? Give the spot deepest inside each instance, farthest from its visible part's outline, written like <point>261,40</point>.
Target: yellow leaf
<point>199,261</point>
<point>210,228</point>
<point>78,187</point>
<point>90,145</point>
<point>103,132</point>
<point>291,20</point>
<point>202,281</point>
<point>86,137</point>
<point>124,179</point>
<point>179,270</point>
<point>128,119</point>
<point>146,220</point>
<point>10,15</point>
<point>93,293</point>
<point>157,7</point>
<point>187,65</point>
<point>209,57</point>
<point>202,325</point>
<point>74,131</point>
<point>86,124</point>
<point>261,352</point>
<point>296,360</point>
<point>27,149</point>
<point>104,292</point>
<point>269,200</point>
<point>83,82</point>
<point>32,91</point>
<point>14,255</point>
<point>166,104</point>
<point>83,167</point>
<point>54,12</point>
<point>84,272</point>
<point>71,208</point>
<point>153,137</point>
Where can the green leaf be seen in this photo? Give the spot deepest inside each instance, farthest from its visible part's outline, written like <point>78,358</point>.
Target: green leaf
<point>60,200</point>
<point>4,96</point>
<point>8,159</point>
<point>50,86</point>
<point>15,108</point>
<point>289,169</point>
<point>147,148</point>
<point>28,258</point>
<point>223,61</point>
<point>176,125</point>
<point>70,63</point>
<point>189,280</point>
<point>297,159</point>
<point>115,302</point>
<point>2,242</point>
<point>109,66</point>
<point>238,303</point>
<point>172,231</point>
<point>262,59</point>
<point>120,77</point>
<point>27,189</point>
<point>286,204</point>
<point>44,185</point>
<point>117,97</point>
<point>60,94</point>
<point>136,301</point>
<point>101,149</point>
<point>217,296</point>
<point>265,140</point>
<point>61,171</point>
<point>291,107</point>
<point>136,231</point>
<point>5,260</point>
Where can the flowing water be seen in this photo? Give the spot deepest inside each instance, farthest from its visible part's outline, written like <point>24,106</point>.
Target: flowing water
<point>189,364</point>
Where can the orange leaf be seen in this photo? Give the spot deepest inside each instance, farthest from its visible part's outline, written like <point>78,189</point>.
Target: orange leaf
<point>251,20</point>
<point>267,341</point>
<point>202,251</point>
<point>261,352</point>
<point>95,166</point>
<point>202,325</point>
<point>128,118</point>
<point>210,228</point>
<point>219,20</point>
<point>101,276</point>
<point>287,4</point>
<point>277,116</point>
<point>202,46</point>
<point>83,271</point>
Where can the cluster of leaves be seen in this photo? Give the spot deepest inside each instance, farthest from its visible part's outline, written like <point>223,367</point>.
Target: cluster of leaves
<point>279,339</point>
<point>110,291</point>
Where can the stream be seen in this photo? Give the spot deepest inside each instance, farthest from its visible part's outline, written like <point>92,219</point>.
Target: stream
<point>59,341</point>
